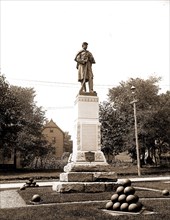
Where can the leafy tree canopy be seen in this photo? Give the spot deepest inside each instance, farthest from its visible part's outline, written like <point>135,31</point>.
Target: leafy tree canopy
<point>117,116</point>
<point>21,121</point>
<point>68,143</point>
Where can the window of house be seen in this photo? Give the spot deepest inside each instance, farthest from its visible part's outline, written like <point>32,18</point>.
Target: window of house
<point>8,154</point>
<point>53,140</point>
<point>51,130</point>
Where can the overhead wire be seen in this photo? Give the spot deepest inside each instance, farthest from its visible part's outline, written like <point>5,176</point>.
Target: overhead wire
<point>60,84</point>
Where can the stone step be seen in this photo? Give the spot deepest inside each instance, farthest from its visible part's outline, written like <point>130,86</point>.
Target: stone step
<point>87,176</point>
<point>88,167</point>
<point>84,187</point>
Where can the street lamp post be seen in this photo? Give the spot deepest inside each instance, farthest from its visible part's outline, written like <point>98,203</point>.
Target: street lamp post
<point>136,130</point>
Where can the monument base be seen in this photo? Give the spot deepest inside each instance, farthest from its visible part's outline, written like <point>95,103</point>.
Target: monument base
<point>84,178</point>
<point>87,169</point>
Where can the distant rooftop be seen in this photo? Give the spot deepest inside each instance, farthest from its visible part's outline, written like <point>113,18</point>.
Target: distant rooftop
<point>52,124</point>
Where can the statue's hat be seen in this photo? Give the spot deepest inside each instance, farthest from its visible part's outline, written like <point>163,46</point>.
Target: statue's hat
<point>84,43</point>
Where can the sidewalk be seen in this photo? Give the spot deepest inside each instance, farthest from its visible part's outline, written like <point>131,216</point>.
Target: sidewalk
<point>18,185</point>
<point>148,179</point>
<point>136,179</point>
<point>11,199</point>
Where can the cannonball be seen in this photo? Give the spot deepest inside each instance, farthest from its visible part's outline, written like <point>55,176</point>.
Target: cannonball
<point>36,198</point>
<point>165,192</point>
<point>132,199</point>
<point>114,197</point>
<point>122,198</point>
<point>31,179</point>
<point>33,184</point>
<point>116,206</point>
<point>129,190</point>
<point>22,187</point>
<point>133,207</point>
<point>126,182</point>
<point>124,207</point>
<point>139,206</point>
<point>28,182</point>
<point>109,205</point>
<point>120,190</point>
<point>26,185</point>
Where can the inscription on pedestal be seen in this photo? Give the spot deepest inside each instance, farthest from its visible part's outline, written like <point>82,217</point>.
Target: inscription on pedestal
<point>89,156</point>
<point>89,137</point>
<point>78,137</point>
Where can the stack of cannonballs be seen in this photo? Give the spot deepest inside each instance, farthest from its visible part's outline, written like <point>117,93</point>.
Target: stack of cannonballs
<point>29,183</point>
<point>124,199</point>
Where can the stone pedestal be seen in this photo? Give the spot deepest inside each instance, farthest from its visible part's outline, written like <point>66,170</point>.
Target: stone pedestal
<point>87,162</point>
<point>86,142</point>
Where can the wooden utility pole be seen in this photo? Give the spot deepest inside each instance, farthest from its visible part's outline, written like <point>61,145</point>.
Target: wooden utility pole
<point>136,131</point>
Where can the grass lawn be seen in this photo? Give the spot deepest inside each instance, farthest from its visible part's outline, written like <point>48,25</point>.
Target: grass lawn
<point>50,196</point>
<point>20,176</point>
<point>76,206</point>
<point>92,211</point>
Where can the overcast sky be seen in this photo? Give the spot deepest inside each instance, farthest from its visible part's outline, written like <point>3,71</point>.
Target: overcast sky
<point>39,41</point>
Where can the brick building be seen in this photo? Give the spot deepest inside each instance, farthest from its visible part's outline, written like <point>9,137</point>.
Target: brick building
<point>55,136</point>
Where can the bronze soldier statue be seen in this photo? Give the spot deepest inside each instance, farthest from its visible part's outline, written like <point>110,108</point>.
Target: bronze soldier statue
<point>84,61</point>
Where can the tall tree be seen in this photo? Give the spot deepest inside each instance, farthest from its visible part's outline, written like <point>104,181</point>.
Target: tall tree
<point>149,105</point>
<point>30,141</point>
<point>158,127</point>
<point>8,128</point>
<point>68,143</point>
<point>21,122</point>
<point>112,127</point>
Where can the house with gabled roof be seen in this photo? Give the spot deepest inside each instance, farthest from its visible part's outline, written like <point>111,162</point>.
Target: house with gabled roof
<point>55,136</point>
